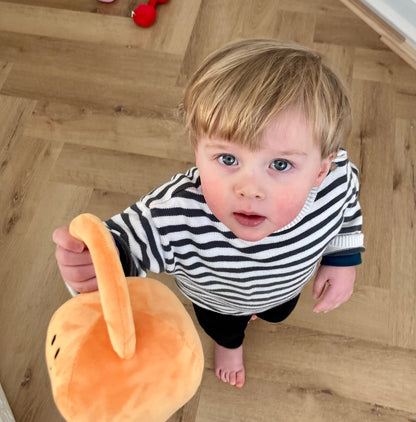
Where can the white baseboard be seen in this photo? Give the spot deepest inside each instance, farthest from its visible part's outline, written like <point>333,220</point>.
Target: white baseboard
<point>395,40</point>
<point>6,414</point>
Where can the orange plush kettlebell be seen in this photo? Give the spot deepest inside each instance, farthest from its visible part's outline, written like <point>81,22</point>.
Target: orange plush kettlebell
<point>128,352</point>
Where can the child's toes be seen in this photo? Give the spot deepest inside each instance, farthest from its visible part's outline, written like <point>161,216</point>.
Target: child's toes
<point>222,375</point>
<point>240,379</point>
<point>233,378</point>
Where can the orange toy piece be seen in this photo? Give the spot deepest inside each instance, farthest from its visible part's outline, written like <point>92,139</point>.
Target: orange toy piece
<point>128,352</point>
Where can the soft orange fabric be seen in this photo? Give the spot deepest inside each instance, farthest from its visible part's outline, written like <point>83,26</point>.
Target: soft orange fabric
<point>90,380</point>
<point>111,282</point>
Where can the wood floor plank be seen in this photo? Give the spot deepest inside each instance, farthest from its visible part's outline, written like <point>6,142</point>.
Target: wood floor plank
<point>209,21</point>
<point>67,24</point>
<point>187,413</point>
<point>405,105</point>
<point>383,66</point>
<point>364,316</point>
<point>105,204</point>
<point>27,200</point>
<point>176,31</point>
<point>32,273</point>
<point>101,28</point>
<point>122,129</point>
<point>377,66</point>
<point>373,108</point>
<point>23,172</point>
<point>5,68</point>
<point>340,59</point>
<point>403,291</point>
<point>302,6</point>
<point>274,22</point>
<point>114,171</point>
<point>344,29</point>
<point>308,361</point>
<point>116,8</point>
<point>78,5</point>
<point>64,71</point>
<point>286,403</point>
<point>85,57</point>
<point>14,115</point>
<point>15,162</point>
<point>252,20</point>
<point>297,27</point>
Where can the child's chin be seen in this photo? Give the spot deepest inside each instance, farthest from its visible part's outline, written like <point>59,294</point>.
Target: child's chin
<point>251,235</point>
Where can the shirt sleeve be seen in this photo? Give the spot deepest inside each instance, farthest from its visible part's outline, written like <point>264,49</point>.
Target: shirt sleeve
<point>347,245</point>
<point>137,240</point>
<point>350,260</point>
<point>71,290</point>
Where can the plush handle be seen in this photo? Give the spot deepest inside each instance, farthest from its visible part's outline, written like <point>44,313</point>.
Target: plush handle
<point>112,283</point>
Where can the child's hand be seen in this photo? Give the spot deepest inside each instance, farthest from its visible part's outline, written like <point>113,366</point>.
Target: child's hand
<point>340,282</point>
<point>74,261</point>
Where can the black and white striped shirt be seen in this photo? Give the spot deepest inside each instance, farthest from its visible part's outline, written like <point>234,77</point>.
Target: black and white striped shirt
<point>172,230</point>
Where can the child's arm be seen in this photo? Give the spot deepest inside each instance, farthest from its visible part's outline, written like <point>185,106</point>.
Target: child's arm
<point>74,261</point>
<point>340,285</point>
<point>343,254</point>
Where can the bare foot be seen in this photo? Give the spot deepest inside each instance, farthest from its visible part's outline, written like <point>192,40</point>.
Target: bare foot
<point>229,365</point>
<point>253,318</point>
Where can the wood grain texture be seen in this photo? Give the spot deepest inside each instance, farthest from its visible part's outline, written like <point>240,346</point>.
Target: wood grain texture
<point>89,122</point>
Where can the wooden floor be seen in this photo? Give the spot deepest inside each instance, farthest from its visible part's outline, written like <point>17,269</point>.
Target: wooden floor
<point>88,123</point>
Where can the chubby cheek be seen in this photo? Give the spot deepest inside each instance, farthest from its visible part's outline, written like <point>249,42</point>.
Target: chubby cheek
<point>287,207</point>
<point>215,195</point>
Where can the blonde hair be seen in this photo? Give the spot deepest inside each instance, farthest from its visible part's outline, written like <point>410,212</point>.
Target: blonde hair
<point>238,89</point>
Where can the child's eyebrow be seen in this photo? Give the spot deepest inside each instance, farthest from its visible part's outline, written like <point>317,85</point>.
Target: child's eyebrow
<point>275,153</point>
<point>225,147</point>
<point>217,144</point>
<point>289,153</point>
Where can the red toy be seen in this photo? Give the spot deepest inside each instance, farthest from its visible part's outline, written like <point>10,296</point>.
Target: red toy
<point>145,14</point>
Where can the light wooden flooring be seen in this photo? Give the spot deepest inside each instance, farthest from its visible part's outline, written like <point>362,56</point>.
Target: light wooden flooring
<point>88,123</point>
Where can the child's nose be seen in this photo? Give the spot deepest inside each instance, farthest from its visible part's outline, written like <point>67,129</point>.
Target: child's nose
<point>250,189</point>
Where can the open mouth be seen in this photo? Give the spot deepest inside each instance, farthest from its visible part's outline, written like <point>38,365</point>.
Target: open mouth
<point>248,220</point>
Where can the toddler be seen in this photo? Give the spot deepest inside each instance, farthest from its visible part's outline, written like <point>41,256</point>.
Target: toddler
<point>272,198</point>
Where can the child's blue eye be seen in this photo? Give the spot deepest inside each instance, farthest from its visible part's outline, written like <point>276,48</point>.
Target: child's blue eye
<point>281,165</point>
<point>228,160</point>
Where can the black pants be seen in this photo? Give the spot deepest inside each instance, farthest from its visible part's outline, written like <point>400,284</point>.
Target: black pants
<point>228,330</point>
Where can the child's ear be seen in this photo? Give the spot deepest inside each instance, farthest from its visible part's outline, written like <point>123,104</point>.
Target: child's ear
<point>324,170</point>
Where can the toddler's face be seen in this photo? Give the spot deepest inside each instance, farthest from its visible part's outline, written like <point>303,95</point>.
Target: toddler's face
<point>255,193</point>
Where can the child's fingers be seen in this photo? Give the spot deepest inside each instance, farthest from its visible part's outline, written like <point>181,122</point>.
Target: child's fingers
<point>81,278</point>
<point>74,261</point>
<point>85,286</point>
<point>331,299</point>
<point>66,257</point>
<point>77,274</point>
<point>328,301</point>
<point>340,286</point>
<point>318,286</point>
<point>63,238</point>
